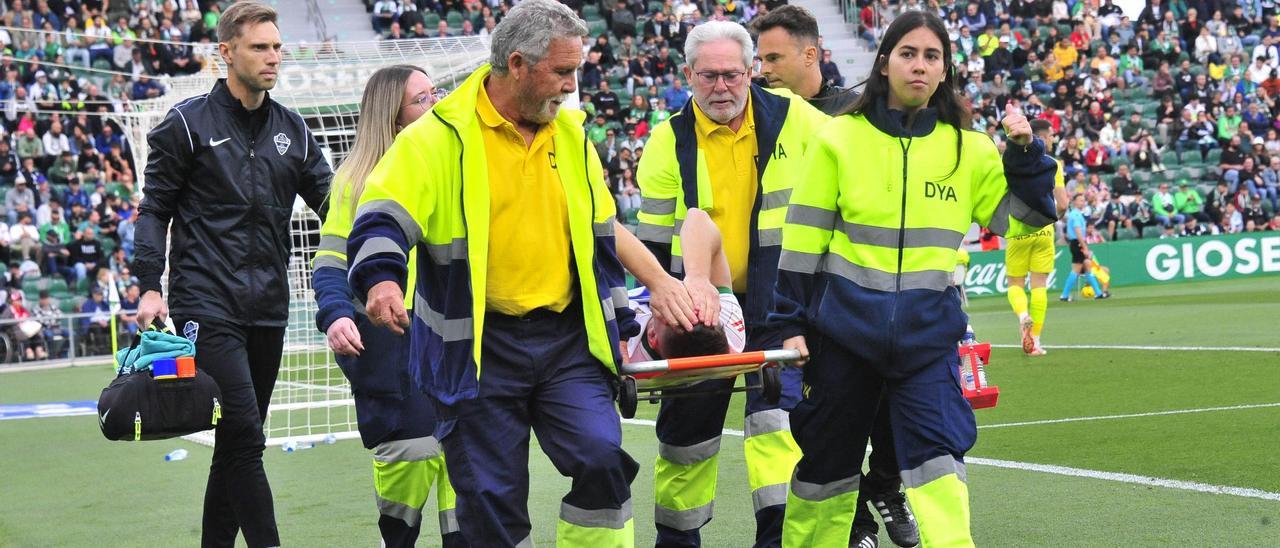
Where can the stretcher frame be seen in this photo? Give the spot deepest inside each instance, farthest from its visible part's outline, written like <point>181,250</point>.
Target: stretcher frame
<point>656,380</point>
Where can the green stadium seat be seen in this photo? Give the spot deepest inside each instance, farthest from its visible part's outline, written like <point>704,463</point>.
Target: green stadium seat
<point>1123,233</point>
<point>596,27</point>
<point>1214,156</point>
<point>590,10</point>
<point>430,20</point>
<point>68,306</point>
<point>454,18</point>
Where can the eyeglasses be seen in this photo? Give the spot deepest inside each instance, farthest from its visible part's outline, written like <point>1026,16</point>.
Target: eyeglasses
<point>730,78</point>
<point>425,99</point>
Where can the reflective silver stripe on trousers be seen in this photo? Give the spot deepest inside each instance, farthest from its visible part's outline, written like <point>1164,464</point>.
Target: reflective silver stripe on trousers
<point>443,254</point>
<point>880,280</point>
<point>329,261</point>
<point>412,232</point>
<point>604,518</point>
<point>815,217</point>
<point>685,455</point>
<point>767,421</point>
<point>818,492</point>
<point>449,521</point>
<point>888,237</point>
<point>933,469</point>
<point>603,229</point>
<point>775,199</point>
<point>799,261</point>
<point>449,330</point>
<point>769,495</point>
<point>400,511</point>
<point>407,450</point>
<point>683,520</point>
<point>771,237</point>
<point>658,206</point>
<point>380,244</point>
<point>527,542</point>
<point>336,244</point>
<point>677,264</point>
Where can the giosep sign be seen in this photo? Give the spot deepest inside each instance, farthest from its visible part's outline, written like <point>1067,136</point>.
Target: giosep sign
<point>1139,262</point>
<point>1213,258</point>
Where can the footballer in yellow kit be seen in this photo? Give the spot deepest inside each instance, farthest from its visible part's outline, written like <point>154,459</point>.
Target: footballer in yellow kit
<point>1033,255</point>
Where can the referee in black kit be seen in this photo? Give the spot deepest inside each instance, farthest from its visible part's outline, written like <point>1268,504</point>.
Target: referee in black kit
<point>225,168</point>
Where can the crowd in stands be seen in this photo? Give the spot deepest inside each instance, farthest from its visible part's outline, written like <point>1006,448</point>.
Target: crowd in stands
<point>67,174</point>
<point>1153,111</point>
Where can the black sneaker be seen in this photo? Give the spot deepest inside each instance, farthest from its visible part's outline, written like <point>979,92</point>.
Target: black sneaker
<point>897,518</point>
<point>1065,299</point>
<point>1104,295</point>
<point>864,539</point>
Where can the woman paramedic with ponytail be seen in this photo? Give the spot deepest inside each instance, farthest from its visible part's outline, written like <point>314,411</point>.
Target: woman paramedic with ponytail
<point>864,284</point>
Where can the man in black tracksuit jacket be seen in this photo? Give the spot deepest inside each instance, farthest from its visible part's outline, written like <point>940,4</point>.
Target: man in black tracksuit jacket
<point>225,167</point>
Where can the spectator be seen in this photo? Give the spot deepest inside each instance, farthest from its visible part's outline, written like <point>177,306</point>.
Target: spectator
<point>1123,187</point>
<point>49,314</point>
<point>1142,214</point>
<point>24,238</point>
<point>1187,201</point>
<point>1193,228</point>
<point>1097,159</point>
<point>54,256</point>
<point>86,254</point>
<point>676,96</point>
<point>96,328</point>
<point>1218,200</point>
<point>129,310</point>
<point>1166,207</point>
<point>26,331</point>
<point>1232,221</point>
<point>830,70</point>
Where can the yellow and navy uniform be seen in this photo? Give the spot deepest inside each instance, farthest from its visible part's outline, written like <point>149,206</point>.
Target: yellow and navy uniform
<point>869,247</point>
<point>742,179</point>
<point>1032,252</point>
<point>434,190</point>
<point>396,420</point>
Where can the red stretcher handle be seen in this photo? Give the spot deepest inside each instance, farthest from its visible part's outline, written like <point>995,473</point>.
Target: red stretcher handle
<point>717,360</point>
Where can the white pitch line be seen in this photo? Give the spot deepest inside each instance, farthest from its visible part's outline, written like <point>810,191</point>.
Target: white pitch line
<point>1127,478</point>
<point>1137,347</point>
<point>1132,415</point>
<point>1081,473</point>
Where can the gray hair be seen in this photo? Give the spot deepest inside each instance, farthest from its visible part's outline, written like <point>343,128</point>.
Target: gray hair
<point>529,28</point>
<point>715,31</point>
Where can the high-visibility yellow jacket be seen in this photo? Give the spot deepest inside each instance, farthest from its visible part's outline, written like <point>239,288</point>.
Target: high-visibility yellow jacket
<point>431,190</point>
<point>870,240</point>
<point>673,179</point>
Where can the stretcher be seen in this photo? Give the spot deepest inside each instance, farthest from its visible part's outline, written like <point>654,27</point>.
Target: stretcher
<point>973,358</point>
<point>651,380</point>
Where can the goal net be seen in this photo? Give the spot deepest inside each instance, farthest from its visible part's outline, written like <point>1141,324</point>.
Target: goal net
<point>324,83</point>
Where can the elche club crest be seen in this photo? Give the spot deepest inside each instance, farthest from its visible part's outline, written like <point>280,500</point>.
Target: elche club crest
<point>282,143</point>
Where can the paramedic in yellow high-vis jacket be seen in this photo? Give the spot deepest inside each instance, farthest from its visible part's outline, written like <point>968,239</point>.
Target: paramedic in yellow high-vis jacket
<point>520,298</point>
<point>868,251</point>
<point>734,151</point>
<point>395,419</point>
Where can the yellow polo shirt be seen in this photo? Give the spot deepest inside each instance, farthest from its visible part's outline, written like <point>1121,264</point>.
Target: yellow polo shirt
<point>529,262</point>
<point>731,166</point>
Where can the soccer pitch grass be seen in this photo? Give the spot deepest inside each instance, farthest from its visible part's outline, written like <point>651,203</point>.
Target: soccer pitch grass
<point>1162,431</point>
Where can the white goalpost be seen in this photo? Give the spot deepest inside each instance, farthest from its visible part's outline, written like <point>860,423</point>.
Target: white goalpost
<point>324,83</point>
